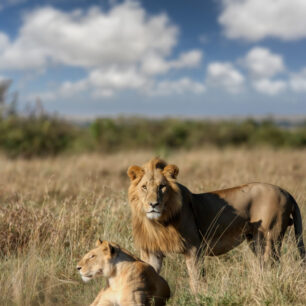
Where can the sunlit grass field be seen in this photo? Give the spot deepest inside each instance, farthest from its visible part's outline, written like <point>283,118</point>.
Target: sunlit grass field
<point>53,210</point>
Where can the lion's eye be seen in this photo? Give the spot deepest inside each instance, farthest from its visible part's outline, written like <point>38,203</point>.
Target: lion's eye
<point>144,187</point>
<point>92,256</point>
<point>162,186</point>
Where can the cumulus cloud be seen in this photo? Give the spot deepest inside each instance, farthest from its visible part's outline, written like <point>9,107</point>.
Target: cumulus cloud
<point>111,80</point>
<point>254,20</point>
<point>153,64</point>
<point>123,36</point>
<point>105,83</point>
<point>4,41</point>
<point>262,63</point>
<point>262,66</point>
<point>224,75</point>
<point>120,49</point>
<point>188,59</point>
<point>298,81</point>
<point>90,38</point>
<point>69,89</point>
<point>180,86</point>
<point>270,87</point>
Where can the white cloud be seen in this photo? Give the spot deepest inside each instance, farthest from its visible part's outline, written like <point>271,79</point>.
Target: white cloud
<point>104,83</point>
<point>70,89</point>
<point>254,20</point>
<point>181,86</point>
<point>224,75</point>
<point>154,64</point>
<point>117,79</point>
<point>262,65</point>
<point>121,49</point>
<point>270,87</point>
<point>4,41</point>
<point>188,59</point>
<point>298,81</point>
<point>124,36</point>
<point>261,62</point>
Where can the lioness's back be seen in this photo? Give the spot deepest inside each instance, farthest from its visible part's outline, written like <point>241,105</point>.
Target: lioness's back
<point>131,281</point>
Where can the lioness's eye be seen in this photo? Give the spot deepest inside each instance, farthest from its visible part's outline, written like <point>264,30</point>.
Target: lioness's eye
<point>92,256</point>
<point>144,187</point>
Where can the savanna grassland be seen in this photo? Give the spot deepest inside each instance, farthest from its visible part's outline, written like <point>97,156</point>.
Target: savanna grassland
<point>53,209</point>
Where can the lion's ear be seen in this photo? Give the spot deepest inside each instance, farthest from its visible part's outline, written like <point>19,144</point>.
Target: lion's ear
<point>171,171</point>
<point>99,242</point>
<point>135,172</point>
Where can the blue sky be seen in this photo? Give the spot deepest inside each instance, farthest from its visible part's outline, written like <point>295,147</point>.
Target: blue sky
<point>186,58</point>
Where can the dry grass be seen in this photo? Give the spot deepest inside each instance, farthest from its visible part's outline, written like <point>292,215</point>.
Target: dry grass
<point>52,210</point>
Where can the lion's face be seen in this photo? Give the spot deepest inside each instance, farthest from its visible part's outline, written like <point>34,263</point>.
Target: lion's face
<point>153,188</point>
<point>97,261</point>
<point>153,193</point>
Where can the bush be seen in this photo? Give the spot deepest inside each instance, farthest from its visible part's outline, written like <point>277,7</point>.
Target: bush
<point>42,135</point>
<point>34,136</point>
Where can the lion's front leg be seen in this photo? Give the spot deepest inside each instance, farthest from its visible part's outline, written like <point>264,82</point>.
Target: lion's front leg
<point>154,259</point>
<point>195,270</point>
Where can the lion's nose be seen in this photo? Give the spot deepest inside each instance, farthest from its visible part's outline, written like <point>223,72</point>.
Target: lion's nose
<point>79,268</point>
<point>153,205</point>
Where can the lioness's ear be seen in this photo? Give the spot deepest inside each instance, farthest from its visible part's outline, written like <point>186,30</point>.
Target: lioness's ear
<point>108,248</point>
<point>171,171</point>
<point>99,242</point>
<point>135,172</point>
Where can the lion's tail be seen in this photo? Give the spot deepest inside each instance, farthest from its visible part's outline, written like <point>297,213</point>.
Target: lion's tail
<point>298,229</point>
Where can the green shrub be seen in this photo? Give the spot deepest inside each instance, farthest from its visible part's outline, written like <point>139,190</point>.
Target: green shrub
<point>42,135</point>
<point>34,136</point>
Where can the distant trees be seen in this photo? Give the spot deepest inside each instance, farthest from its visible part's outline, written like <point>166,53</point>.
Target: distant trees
<point>36,133</point>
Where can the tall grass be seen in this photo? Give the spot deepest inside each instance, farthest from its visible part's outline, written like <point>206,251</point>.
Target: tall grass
<point>53,210</point>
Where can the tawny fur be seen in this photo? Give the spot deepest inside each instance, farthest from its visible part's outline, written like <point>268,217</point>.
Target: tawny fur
<point>130,280</point>
<point>168,218</point>
<point>154,236</point>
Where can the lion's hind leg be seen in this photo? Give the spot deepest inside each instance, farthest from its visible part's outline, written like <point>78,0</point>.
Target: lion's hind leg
<point>265,244</point>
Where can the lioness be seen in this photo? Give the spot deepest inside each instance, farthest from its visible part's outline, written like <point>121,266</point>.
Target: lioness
<point>130,280</point>
<point>168,218</point>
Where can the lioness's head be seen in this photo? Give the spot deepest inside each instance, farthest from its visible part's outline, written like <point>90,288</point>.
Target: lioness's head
<point>153,188</point>
<point>98,261</point>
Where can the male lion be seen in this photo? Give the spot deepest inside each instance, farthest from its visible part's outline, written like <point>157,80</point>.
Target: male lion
<point>168,218</point>
<point>130,280</point>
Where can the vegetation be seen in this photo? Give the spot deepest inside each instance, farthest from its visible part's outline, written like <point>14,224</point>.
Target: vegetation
<point>35,133</point>
<point>42,135</point>
<point>53,209</point>
<point>134,133</point>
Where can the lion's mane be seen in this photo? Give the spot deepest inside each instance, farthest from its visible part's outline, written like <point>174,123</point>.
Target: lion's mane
<point>162,235</point>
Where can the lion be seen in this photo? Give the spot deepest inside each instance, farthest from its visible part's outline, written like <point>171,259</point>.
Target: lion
<point>168,218</point>
<point>130,280</point>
